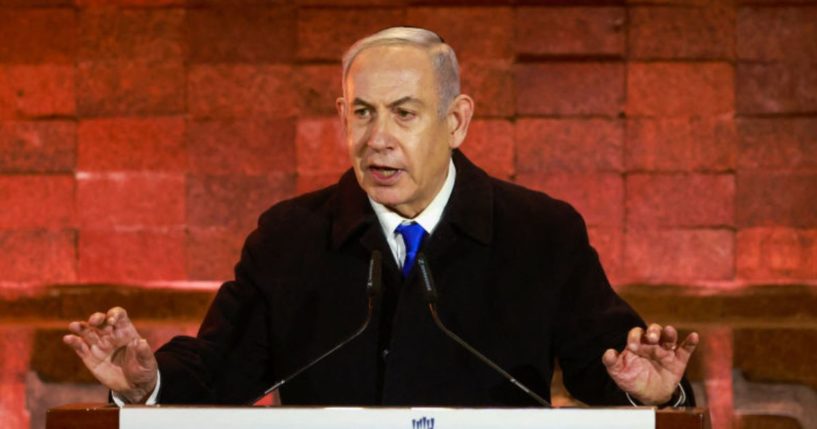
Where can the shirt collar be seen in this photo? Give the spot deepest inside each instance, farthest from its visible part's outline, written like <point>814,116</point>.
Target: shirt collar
<point>428,218</point>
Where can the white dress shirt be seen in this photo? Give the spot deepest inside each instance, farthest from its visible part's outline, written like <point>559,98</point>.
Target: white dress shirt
<point>428,218</point>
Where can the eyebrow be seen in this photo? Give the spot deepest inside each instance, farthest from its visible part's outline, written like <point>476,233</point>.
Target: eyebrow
<point>399,101</point>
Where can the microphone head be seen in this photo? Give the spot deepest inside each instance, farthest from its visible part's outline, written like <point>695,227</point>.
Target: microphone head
<point>429,291</point>
<point>375,274</point>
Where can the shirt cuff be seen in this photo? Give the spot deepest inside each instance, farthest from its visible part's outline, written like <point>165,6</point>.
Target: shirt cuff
<point>120,401</point>
<point>673,402</point>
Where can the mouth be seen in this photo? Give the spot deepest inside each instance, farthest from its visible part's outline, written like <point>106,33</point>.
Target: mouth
<point>384,174</point>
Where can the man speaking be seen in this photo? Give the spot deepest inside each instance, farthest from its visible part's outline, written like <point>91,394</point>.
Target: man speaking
<point>515,277</point>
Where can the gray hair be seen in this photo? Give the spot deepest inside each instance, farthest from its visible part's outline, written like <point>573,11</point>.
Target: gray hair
<point>443,58</point>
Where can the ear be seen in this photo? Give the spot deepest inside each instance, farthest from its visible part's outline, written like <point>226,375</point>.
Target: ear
<point>340,105</point>
<point>459,118</point>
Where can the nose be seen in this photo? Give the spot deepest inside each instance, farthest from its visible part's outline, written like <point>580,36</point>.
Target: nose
<point>380,135</point>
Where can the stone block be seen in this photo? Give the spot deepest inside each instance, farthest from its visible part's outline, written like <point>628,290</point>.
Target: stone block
<point>594,88</point>
<point>776,354</point>
<point>15,347</point>
<point>36,91</point>
<point>122,144</point>
<point>321,147</point>
<point>151,35</point>
<point>680,200</point>
<point>38,35</point>
<point>490,84</point>
<point>136,255</point>
<point>246,34</point>
<point>490,145</point>
<point>752,421</point>
<point>40,256</point>
<point>786,199</point>
<point>776,34</point>
<point>676,305</point>
<point>566,31</point>
<point>679,255</point>
<point>131,200</point>
<point>37,147</point>
<point>474,32</point>
<point>308,3</point>
<point>130,88</point>
<point>769,254</point>
<point>680,89</point>
<point>41,397</point>
<point>599,197</point>
<point>319,86</point>
<point>740,306</point>
<point>13,410</point>
<point>55,361</point>
<point>703,144</point>
<point>212,252</point>
<point>775,88</point>
<point>61,304</point>
<point>668,32</point>
<point>255,146</point>
<point>31,202</point>
<point>35,3</point>
<point>134,3</point>
<point>234,202</point>
<point>325,33</point>
<point>569,145</point>
<point>240,91</point>
<point>788,144</point>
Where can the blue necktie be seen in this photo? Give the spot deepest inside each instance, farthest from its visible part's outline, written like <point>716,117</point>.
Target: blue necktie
<point>413,235</point>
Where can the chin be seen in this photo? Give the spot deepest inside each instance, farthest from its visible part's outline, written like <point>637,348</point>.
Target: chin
<point>387,197</point>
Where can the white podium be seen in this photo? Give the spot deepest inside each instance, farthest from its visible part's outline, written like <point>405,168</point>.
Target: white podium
<point>381,418</point>
<point>103,416</point>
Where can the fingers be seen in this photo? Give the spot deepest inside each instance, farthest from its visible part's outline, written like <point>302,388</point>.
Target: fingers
<point>669,337</point>
<point>97,320</point>
<point>655,334</point>
<point>118,318</point>
<point>102,332</point>
<point>688,346</point>
<point>666,337</point>
<point>76,343</point>
<point>609,358</point>
<point>634,338</point>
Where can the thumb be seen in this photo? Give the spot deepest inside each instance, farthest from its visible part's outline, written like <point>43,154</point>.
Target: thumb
<point>609,358</point>
<point>143,353</point>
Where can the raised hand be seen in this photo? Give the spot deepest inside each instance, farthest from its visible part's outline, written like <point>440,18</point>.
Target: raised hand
<point>652,364</point>
<point>116,355</point>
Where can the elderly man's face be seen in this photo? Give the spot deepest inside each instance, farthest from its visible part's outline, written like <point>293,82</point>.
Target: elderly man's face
<point>398,143</point>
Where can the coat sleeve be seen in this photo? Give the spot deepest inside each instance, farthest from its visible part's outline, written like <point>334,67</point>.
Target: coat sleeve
<point>592,319</point>
<point>228,361</point>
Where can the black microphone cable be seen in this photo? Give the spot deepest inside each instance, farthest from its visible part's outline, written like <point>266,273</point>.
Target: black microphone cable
<point>430,294</point>
<point>373,285</point>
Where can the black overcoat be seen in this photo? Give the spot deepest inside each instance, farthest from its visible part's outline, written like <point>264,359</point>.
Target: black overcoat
<point>516,276</point>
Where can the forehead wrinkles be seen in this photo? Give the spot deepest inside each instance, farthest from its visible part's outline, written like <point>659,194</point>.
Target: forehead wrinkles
<point>387,87</point>
<point>393,71</point>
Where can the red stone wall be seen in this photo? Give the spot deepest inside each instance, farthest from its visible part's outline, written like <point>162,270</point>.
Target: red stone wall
<point>140,139</point>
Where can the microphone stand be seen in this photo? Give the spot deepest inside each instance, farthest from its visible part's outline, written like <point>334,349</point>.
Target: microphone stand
<point>430,293</point>
<point>372,289</point>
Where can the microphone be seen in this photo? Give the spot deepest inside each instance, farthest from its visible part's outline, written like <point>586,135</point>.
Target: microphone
<point>430,295</point>
<point>373,285</point>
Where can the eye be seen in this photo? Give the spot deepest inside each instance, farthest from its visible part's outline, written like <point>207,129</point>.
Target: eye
<point>362,113</point>
<point>405,114</point>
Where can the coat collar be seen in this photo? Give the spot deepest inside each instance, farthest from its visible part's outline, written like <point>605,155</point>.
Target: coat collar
<point>469,210</point>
